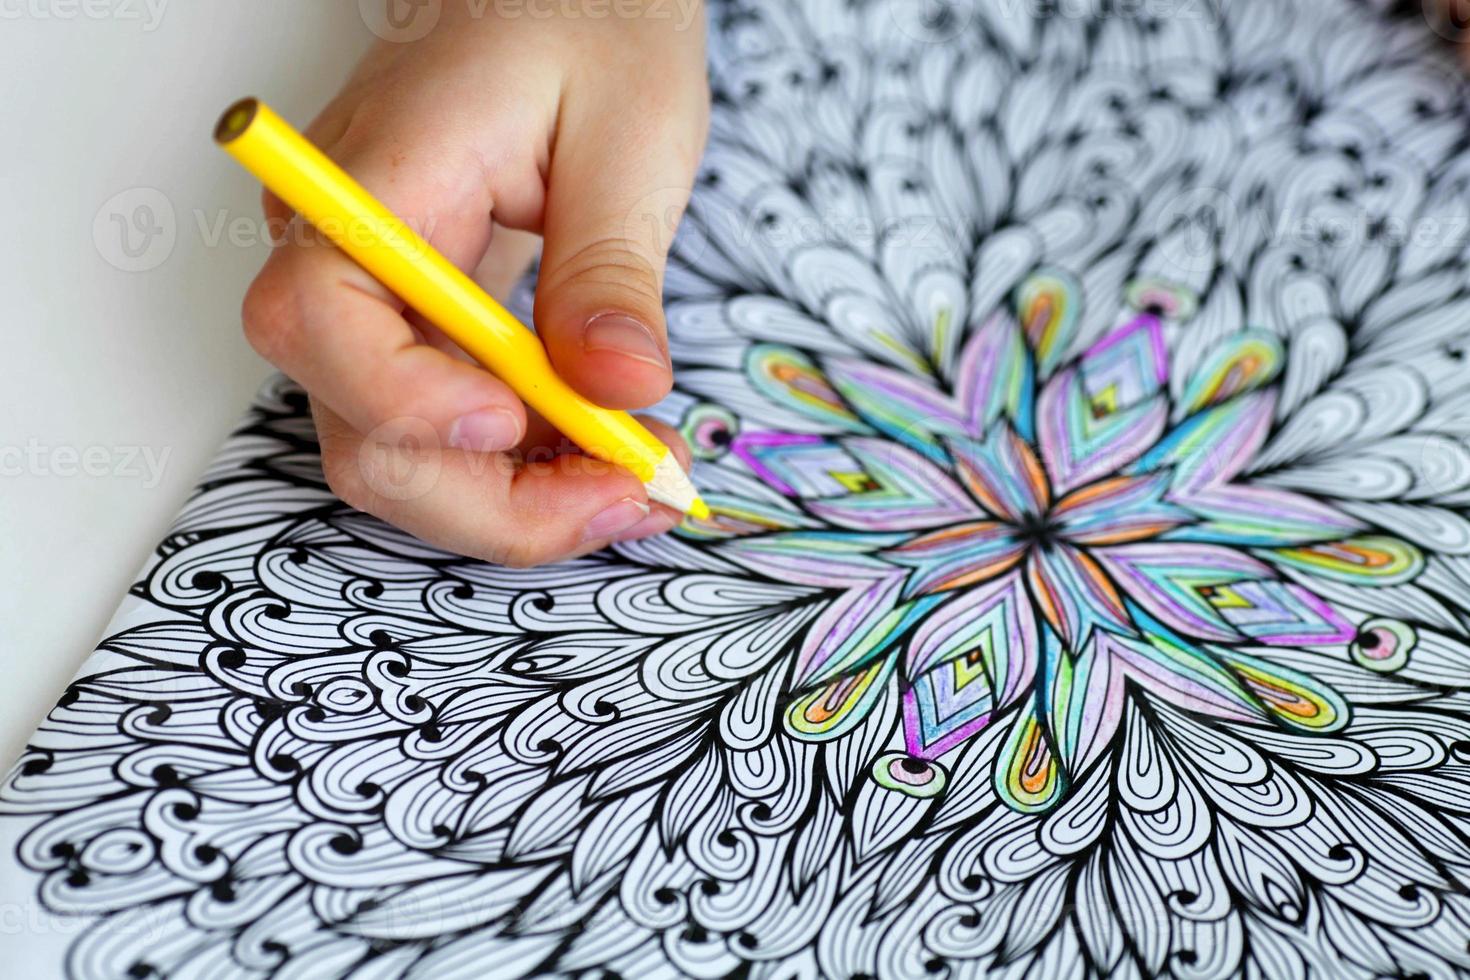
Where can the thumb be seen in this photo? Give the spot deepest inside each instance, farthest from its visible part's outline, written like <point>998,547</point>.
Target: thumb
<point>618,183</point>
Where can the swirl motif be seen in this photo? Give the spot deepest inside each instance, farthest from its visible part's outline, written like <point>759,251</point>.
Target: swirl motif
<point>1081,404</point>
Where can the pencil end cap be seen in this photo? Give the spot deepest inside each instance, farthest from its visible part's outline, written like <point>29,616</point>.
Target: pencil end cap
<point>236,120</point>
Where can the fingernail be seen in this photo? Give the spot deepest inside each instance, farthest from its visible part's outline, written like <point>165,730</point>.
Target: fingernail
<point>624,335</point>
<point>613,521</point>
<point>646,528</point>
<point>486,431</point>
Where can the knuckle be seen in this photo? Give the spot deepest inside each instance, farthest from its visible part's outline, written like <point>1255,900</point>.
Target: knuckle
<point>513,553</point>
<point>340,470</point>
<point>268,314</point>
<point>510,538</point>
<point>345,490</point>
<point>516,557</point>
<point>614,263</point>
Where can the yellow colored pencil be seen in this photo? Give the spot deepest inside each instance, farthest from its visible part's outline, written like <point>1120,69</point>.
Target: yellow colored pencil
<point>356,222</point>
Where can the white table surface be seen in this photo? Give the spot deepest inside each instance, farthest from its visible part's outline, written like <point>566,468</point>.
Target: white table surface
<point>122,373</point>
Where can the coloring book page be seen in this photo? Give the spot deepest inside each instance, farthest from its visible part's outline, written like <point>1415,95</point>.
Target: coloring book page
<point>1082,400</point>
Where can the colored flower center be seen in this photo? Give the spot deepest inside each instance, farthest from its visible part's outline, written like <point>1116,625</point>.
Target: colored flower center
<point>1038,531</point>
<point>1018,538</point>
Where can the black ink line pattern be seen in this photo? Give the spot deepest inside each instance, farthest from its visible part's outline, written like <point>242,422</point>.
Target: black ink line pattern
<point>1145,656</point>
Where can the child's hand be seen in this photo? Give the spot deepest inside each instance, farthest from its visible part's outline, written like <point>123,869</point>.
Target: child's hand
<point>586,131</point>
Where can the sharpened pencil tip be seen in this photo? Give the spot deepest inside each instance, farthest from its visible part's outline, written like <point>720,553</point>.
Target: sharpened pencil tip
<point>699,510</point>
<point>670,486</point>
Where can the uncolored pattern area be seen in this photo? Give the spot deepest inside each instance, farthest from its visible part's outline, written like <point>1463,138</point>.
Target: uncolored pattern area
<point>1083,403</point>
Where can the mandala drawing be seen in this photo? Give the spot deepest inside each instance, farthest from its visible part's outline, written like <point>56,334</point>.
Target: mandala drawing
<point>1000,547</point>
<point>1082,403</point>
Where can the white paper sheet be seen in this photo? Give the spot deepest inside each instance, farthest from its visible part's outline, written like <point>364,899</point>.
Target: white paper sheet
<point>1083,405</point>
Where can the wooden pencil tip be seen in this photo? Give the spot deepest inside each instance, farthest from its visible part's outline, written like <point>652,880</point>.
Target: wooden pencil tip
<point>236,120</point>
<point>670,486</point>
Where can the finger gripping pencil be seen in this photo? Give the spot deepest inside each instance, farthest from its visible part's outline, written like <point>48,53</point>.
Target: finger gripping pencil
<point>356,222</point>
